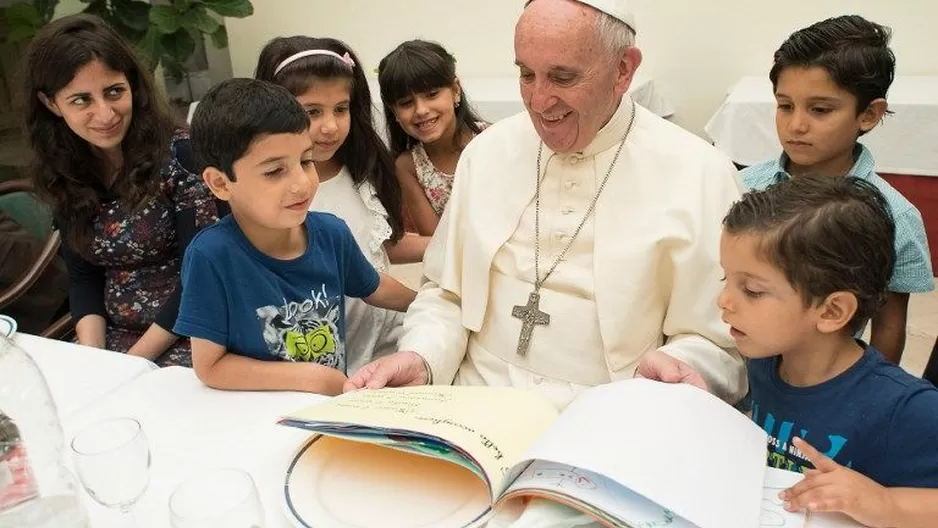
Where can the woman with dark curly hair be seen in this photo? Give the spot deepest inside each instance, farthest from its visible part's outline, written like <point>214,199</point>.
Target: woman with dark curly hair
<point>113,165</point>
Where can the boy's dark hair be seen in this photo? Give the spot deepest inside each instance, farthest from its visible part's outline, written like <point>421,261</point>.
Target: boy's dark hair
<point>419,66</point>
<point>854,52</point>
<point>826,235</point>
<point>235,113</point>
<point>363,153</point>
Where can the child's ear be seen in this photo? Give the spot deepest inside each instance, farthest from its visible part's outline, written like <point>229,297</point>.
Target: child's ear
<point>873,114</point>
<point>49,103</point>
<point>836,311</point>
<point>217,182</point>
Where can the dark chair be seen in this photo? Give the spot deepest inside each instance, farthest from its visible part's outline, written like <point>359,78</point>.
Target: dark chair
<point>18,201</point>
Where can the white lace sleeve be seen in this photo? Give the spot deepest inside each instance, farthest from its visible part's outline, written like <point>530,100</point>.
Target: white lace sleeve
<point>380,228</point>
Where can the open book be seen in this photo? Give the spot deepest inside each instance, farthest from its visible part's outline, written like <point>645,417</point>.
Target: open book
<point>634,453</point>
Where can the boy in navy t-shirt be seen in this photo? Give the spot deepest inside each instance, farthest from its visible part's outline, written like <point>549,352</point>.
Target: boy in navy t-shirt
<point>263,289</point>
<point>807,263</point>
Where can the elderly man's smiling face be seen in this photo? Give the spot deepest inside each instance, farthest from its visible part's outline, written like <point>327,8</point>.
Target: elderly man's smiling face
<point>571,85</point>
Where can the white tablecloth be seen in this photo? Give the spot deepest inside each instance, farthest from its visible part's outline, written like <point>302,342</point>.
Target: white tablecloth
<point>191,427</point>
<point>77,375</point>
<point>905,143</point>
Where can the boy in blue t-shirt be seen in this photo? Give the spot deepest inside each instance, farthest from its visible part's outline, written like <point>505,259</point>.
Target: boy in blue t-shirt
<point>806,263</point>
<point>264,289</point>
<point>830,82</point>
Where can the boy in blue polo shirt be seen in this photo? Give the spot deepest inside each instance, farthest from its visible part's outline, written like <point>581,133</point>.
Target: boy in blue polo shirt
<point>264,289</point>
<point>830,81</point>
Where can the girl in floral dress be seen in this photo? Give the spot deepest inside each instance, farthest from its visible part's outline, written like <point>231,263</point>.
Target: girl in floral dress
<point>429,123</point>
<point>114,167</point>
<point>356,174</point>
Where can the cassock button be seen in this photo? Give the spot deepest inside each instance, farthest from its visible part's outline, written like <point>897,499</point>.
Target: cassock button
<point>566,210</point>
<point>570,184</point>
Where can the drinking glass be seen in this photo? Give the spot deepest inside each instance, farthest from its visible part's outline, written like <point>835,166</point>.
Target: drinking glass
<point>217,498</point>
<point>112,459</point>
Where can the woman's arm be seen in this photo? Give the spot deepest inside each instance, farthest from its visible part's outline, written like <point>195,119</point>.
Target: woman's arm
<point>195,207</point>
<point>409,249</point>
<point>86,297</point>
<point>219,369</point>
<point>414,196</point>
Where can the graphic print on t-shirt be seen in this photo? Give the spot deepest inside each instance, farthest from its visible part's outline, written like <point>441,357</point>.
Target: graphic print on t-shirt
<point>783,454</point>
<point>306,330</point>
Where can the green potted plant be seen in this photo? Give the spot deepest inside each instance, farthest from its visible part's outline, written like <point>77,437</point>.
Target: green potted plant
<point>165,33</point>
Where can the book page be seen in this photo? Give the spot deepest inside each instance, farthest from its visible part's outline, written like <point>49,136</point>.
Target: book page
<point>600,497</point>
<point>676,445</point>
<point>774,514</point>
<point>493,425</point>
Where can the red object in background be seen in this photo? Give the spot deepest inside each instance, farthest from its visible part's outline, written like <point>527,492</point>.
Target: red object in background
<point>922,191</point>
<point>17,483</point>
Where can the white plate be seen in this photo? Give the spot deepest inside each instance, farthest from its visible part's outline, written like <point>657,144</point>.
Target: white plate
<point>334,483</point>
<point>7,325</point>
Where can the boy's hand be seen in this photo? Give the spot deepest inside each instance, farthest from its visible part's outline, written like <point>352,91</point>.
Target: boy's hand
<point>400,369</point>
<point>835,488</point>
<point>329,384</point>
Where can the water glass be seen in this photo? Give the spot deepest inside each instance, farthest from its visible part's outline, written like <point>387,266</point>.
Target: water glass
<point>218,498</point>
<point>112,459</point>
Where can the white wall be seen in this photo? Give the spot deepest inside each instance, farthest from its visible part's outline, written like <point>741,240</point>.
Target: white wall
<point>694,49</point>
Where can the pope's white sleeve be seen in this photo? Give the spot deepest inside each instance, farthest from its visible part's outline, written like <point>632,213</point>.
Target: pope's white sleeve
<point>433,325</point>
<point>693,329</point>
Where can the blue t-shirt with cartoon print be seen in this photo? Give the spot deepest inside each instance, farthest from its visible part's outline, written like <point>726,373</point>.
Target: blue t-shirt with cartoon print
<point>269,309</point>
<point>875,418</point>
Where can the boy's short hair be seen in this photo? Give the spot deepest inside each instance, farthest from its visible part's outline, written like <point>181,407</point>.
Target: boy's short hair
<point>826,235</point>
<point>853,50</point>
<point>235,113</point>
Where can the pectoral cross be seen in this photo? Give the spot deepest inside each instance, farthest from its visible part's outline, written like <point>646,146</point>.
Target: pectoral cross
<point>530,316</point>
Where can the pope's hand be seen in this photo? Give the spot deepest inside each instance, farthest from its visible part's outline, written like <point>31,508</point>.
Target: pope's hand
<point>400,369</point>
<point>659,366</point>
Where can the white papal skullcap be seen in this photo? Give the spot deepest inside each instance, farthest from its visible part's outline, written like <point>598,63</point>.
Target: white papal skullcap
<point>618,9</point>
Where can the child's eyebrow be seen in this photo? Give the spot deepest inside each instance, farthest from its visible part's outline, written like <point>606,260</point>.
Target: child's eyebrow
<point>747,275</point>
<point>822,99</point>
<point>272,159</point>
<point>813,99</point>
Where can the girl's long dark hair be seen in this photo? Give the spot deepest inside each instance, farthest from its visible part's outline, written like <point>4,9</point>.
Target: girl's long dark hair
<point>363,152</point>
<point>419,66</point>
<point>65,170</point>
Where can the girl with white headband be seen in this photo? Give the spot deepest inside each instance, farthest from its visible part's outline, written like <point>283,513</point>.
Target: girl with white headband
<point>356,172</point>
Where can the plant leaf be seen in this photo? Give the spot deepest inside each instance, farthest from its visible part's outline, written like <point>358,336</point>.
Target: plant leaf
<point>166,18</point>
<point>46,9</point>
<point>220,38</point>
<point>198,19</point>
<point>20,33</point>
<point>134,15</point>
<point>179,45</point>
<point>22,14</point>
<point>229,8</point>
<point>98,7</point>
<point>150,47</point>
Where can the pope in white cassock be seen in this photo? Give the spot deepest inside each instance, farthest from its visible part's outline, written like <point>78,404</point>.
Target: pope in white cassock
<point>581,242</point>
